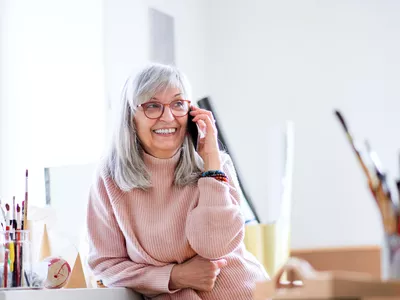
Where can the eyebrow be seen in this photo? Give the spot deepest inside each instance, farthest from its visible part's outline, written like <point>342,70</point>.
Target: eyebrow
<point>180,94</point>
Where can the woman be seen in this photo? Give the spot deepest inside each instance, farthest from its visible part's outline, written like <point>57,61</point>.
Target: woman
<point>163,218</point>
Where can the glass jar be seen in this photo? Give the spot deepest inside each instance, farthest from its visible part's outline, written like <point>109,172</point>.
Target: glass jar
<point>15,259</point>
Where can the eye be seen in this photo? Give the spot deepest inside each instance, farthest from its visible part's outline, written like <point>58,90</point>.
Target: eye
<point>179,103</point>
<point>152,105</point>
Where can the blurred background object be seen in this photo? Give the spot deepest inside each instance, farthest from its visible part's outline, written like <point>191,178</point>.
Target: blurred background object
<point>270,241</point>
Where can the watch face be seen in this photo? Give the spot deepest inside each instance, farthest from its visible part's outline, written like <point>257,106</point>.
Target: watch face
<point>58,273</point>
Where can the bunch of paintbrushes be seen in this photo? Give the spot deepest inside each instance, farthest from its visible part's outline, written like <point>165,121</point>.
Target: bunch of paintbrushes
<point>378,183</point>
<point>13,222</point>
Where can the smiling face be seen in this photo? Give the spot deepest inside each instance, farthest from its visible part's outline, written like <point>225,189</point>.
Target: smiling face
<point>164,136</point>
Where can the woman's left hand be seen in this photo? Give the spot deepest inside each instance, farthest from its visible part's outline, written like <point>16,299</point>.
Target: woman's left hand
<point>208,144</point>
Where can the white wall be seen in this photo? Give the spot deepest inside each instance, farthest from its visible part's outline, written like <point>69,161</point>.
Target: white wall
<point>2,10</point>
<point>127,44</point>
<point>52,96</point>
<point>9,132</point>
<point>269,61</point>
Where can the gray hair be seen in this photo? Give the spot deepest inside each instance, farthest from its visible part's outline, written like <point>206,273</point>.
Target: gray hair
<point>124,162</point>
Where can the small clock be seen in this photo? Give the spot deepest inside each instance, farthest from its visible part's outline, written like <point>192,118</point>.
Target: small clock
<point>58,273</point>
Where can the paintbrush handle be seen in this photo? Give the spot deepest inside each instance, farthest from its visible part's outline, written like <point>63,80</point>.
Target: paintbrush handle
<point>388,212</point>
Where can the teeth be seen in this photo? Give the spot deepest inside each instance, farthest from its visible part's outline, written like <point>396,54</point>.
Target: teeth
<point>165,131</point>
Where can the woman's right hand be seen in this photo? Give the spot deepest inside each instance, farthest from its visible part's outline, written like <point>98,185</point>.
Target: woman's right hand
<point>197,273</point>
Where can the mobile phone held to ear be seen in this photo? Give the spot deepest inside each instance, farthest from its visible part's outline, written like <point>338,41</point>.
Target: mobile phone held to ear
<point>193,131</point>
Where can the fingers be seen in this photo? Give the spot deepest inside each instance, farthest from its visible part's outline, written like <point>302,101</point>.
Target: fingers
<point>210,126</point>
<point>209,270</point>
<point>220,263</point>
<point>197,111</point>
<point>202,126</point>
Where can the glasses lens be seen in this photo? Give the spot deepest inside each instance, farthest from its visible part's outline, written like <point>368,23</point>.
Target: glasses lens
<point>179,107</point>
<point>153,109</point>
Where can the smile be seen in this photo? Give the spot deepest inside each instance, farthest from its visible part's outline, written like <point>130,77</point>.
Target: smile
<point>165,131</point>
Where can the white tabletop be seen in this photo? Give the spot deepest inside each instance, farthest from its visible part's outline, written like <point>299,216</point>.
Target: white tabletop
<point>67,294</point>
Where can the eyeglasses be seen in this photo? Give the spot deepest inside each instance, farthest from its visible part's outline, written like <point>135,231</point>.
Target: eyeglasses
<point>154,109</point>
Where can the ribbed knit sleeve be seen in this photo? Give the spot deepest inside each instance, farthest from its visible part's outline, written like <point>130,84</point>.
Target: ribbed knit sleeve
<point>108,257</point>
<point>215,227</point>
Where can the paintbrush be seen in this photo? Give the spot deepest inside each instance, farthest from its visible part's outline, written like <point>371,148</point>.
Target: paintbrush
<point>24,279</point>
<point>19,258</point>
<point>370,177</point>
<point>376,163</point>
<point>14,215</point>
<point>7,245</point>
<point>25,206</point>
<point>8,219</point>
<point>398,186</point>
<point>10,244</point>
<point>24,226</point>
<point>398,180</point>
<point>383,195</point>
<point>388,214</point>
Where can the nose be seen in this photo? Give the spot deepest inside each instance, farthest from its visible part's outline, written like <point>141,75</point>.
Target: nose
<point>167,114</point>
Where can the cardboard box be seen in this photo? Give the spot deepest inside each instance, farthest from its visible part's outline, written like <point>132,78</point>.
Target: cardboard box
<point>307,283</point>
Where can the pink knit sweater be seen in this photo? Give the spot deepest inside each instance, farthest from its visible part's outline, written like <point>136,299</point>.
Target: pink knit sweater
<point>136,237</point>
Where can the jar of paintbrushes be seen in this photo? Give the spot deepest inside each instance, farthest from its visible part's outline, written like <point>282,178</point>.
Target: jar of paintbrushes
<point>385,193</point>
<point>15,261</point>
<point>15,243</point>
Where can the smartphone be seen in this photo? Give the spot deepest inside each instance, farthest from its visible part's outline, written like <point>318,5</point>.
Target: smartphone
<point>193,130</point>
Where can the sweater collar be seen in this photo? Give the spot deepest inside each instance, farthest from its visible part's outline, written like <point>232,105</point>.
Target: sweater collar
<point>154,163</point>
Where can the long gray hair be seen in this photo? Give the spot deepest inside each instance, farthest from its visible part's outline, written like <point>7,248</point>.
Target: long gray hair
<point>124,162</point>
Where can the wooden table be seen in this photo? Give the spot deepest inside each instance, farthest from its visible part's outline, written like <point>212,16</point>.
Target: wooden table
<point>68,294</point>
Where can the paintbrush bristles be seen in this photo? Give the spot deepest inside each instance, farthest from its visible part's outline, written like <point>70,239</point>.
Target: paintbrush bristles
<point>346,129</point>
<point>341,119</point>
<point>398,186</point>
<point>7,216</point>
<point>18,217</point>
<point>371,181</point>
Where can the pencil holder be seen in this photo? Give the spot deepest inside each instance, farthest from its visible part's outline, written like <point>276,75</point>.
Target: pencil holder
<point>15,260</point>
<point>390,257</point>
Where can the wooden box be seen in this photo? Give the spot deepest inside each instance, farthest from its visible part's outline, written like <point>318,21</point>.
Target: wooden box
<point>308,284</point>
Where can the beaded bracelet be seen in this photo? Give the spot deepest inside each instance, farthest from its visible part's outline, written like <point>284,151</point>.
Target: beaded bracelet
<point>216,174</point>
<point>212,173</point>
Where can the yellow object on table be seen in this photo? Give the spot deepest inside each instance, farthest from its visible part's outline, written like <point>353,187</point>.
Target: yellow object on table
<point>269,243</point>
